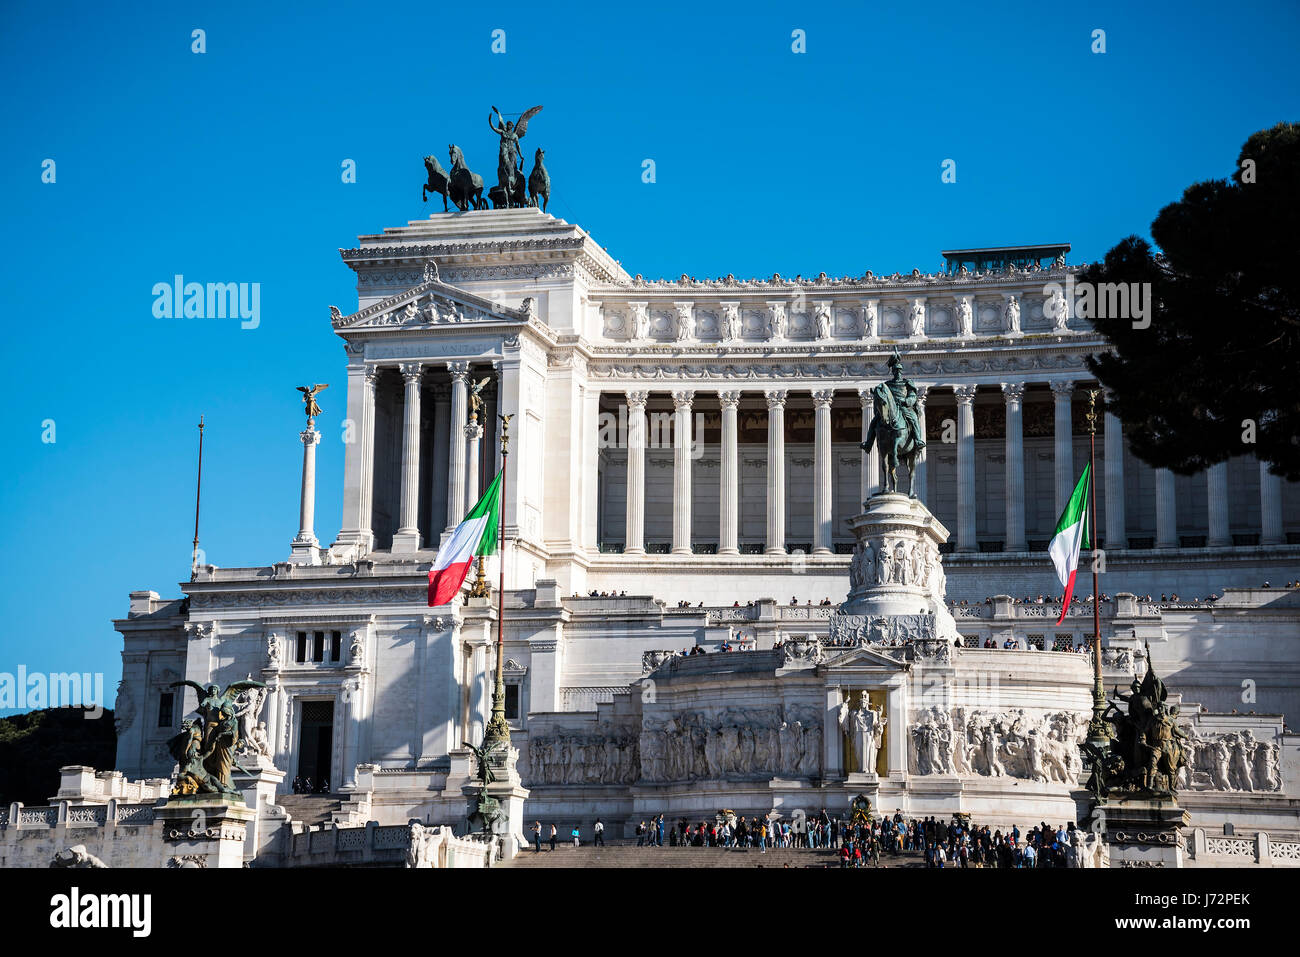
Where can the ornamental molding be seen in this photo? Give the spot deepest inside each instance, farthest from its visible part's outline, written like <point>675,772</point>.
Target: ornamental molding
<point>429,303</point>
<point>527,258</point>
<point>958,284</point>
<point>310,596</point>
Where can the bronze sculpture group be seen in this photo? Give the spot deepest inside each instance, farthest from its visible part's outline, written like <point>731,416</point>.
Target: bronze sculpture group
<point>205,749</point>
<point>514,190</point>
<point>1146,751</point>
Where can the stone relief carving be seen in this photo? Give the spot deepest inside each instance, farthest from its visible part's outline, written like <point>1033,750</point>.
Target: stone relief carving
<point>601,756</point>
<point>1230,761</point>
<point>683,322</point>
<point>776,320</point>
<point>650,660</point>
<point>731,742</point>
<point>1020,744</point>
<point>822,318</point>
<point>1011,315</point>
<point>916,318</point>
<point>932,742</point>
<point>731,324</point>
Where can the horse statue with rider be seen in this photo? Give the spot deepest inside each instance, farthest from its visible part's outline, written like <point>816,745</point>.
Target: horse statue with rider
<point>895,430</point>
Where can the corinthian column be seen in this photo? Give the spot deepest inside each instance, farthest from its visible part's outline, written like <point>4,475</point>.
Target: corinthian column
<point>305,543</point>
<point>635,534</point>
<point>407,538</point>
<point>1270,507</point>
<point>1116,526</point>
<point>1166,510</point>
<point>775,471</point>
<point>965,468</point>
<point>822,473</point>
<point>1061,391</point>
<point>473,432</point>
<point>682,472</point>
<point>870,458</point>
<point>1216,477</point>
<point>729,491</point>
<point>367,535</point>
<point>456,460</point>
<point>1012,393</point>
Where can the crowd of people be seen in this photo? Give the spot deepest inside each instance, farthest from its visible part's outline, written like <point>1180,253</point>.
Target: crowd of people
<point>952,843</point>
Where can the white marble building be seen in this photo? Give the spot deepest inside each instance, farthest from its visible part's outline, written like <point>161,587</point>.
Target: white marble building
<point>690,441</point>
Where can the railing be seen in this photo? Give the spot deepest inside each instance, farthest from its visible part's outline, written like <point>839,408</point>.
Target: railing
<point>1260,850</point>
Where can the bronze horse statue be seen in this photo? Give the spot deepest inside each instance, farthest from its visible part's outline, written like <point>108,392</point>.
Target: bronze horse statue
<point>466,188</point>
<point>539,182</point>
<point>439,181</point>
<point>890,433</point>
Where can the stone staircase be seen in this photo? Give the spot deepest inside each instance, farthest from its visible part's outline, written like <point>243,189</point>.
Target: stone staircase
<point>629,855</point>
<point>311,809</point>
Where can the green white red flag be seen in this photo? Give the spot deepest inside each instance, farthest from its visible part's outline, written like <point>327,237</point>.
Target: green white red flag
<point>1070,538</point>
<point>476,535</point>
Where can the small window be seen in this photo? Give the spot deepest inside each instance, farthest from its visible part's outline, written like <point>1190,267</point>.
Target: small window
<point>512,702</point>
<point>166,702</point>
<point>336,645</point>
<point>318,646</point>
<point>302,647</point>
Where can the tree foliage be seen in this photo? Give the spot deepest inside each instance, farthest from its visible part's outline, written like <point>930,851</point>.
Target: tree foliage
<point>35,745</point>
<point>1219,364</point>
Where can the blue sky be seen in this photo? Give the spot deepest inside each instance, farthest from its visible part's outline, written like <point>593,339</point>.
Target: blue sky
<point>225,167</point>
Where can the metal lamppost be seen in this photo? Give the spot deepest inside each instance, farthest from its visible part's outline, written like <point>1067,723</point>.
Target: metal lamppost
<point>497,732</point>
<point>1098,732</point>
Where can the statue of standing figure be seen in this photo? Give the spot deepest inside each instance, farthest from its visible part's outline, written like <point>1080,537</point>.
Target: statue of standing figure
<point>509,173</point>
<point>866,728</point>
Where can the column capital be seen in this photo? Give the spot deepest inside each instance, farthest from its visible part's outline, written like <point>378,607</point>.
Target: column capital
<point>1013,392</point>
<point>922,393</point>
<point>823,397</point>
<point>411,371</point>
<point>864,396</point>
<point>1062,388</point>
<point>729,400</point>
<point>459,370</point>
<point>775,398</point>
<point>371,374</point>
<point>682,400</point>
<point>473,431</point>
<point>309,436</point>
<point>964,393</point>
<point>637,399</point>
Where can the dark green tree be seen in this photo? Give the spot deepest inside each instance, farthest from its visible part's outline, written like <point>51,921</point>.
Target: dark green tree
<point>1219,363</point>
<point>33,746</point>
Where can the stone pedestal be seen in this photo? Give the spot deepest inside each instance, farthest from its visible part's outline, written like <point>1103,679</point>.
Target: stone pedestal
<point>259,787</point>
<point>1140,832</point>
<point>896,573</point>
<point>504,799</point>
<point>203,831</point>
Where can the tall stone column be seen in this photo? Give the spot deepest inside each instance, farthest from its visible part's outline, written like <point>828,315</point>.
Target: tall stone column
<point>1116,526</point>
<point>775,471</point>
<point>1270,507</point>
<point>1012,393</point>
<point>918,481</point>
<point>1061,392</point>
<point>729,491</point>
<point>635,544</point>
<point>682,472</point>
<point>1166,510</point>
<point>456,460</point>
<point>871,458</point>
<point>822,472</point>
<point>305,544</point>
<point>439,460</point>
<point>367,450</point>
<point>1216,477</point>
<point>407,537</point>
<point>966,468</point>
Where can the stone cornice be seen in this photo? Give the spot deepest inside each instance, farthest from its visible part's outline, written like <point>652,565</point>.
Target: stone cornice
<point>868,285</point>
<point>454,256</point>
<point>401,310</point>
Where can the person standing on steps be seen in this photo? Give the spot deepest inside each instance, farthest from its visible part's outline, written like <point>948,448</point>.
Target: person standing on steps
<point>537,836</point>
<point>552,837</point>
<point>599,831</point>
<point>575,836</point>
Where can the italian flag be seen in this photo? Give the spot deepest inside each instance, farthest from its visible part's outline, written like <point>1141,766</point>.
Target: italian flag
<point>1071,536</point>
<point>476,535</point>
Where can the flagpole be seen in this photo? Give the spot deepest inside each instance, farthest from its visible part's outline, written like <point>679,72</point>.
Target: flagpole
<point>198,490</point>
<point>498,731</point>
<point>1098,733</point>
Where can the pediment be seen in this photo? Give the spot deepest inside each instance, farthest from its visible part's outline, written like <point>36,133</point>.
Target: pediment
<point>431,302</point>
<point>866,658</point>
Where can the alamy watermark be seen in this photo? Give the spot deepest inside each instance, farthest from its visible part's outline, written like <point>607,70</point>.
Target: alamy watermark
<point>33,691</point>
<point>179,299</point>
<point>1107,300</point>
